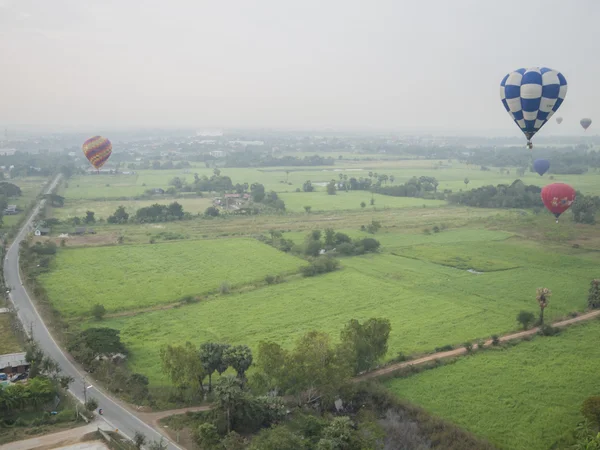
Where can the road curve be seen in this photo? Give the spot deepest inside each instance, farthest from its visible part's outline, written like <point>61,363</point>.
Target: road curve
<point>116,415</point>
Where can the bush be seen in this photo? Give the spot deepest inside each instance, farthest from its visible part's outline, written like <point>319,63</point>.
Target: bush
<point>346,249</point>
<point>68,415</point>
<point>495,340</point>
<point>444,348</point>
<point>211,211</point>
<point>322,264</point>
<point>549,330</point>
<point>591,409</point>
<point>480,344</point>
<point>525,318</point>
<point>427,231</point>
<point>436,229</point>
<point>469,346</point>
<point>594,294</point>
<point>98,311</point>
<point>225,288</point>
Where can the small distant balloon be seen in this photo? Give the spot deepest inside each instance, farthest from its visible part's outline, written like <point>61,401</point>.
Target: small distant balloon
<point>559,120</point>
<point>585,123</point>
<point>558,197</point>
<point>97,150</point>
<point>531,96</point>
<point>541,166</point>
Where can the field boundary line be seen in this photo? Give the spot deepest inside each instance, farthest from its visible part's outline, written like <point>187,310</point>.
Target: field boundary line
<point>462,350</point>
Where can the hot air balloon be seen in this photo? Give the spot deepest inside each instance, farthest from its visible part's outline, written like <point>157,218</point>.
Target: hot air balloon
<point>541,166</point>
<point>531,96</point>
<point>585,123</point>
<point>558,197</point>
<point>97,150</point>
<point>559,120</point>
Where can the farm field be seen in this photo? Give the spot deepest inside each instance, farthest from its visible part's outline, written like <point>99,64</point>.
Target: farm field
<point>429,304</point>
<point>103,209</point>
<point>321,201</point>
<point>8,341</point>
<point>524,397</point>
<point>138,276</point>
<point>289,179</point>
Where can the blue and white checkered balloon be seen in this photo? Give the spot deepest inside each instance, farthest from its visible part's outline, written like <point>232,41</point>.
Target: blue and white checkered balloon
<point>531,96</point>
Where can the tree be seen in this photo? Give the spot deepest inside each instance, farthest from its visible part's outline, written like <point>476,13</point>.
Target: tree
<point>372,201</point>
<point>182,365</point>
<point>207,436</point>
<point>525,318</point>
<point>228,395</point>
<point>307,186</point>
<point>257,191</point>
<point>89,217</point>
<point>97,342</point>
<point>278,438</point>
<point>158,445</point>
<point>331,188</point>
<point>392,178</point>
<point>119,216</point>
<point>329,237</point>
<point>240,358</point>
<point>98,311</point>
<point>364,344</point>
<point>340,434</point>
<point>91,404</point>
<point>272,362</point>
<point>307,209</point>
<point>211,211</point>
<point>591,409</point>
<point>233,441</point>
<point>211,358</point>
<point>363,204</point>
<point>314,367</point>
<point>594,294</point>
<point>542,297</point>
<point>139,440</point>
<point>466,181</point>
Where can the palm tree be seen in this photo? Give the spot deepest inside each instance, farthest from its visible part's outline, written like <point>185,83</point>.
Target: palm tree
<point>228,393</point>
<point>542,295</point>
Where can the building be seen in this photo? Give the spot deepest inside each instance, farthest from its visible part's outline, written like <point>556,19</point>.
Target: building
<point>218,153</point>
<point>79,230</point>
<point>11,210</point>
<point>42,231</point>
<point>159,191</point>
<point>13,363</point>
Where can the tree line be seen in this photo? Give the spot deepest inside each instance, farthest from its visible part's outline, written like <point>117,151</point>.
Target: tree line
<point>250,159</point>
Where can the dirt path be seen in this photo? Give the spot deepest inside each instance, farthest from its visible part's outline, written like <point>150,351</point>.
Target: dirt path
<point>153,418</point>
<point>53,440</point>
<point>462,350</point>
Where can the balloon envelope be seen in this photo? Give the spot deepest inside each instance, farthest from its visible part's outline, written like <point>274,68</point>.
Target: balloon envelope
<point>541,166</point>
<point>585,123</point>
<point>558,197</point>
<point>531,96</point>
<point>97,150</point>
<point>559,120</point>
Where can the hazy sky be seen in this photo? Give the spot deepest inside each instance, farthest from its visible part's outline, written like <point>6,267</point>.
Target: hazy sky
<point>423,65</point>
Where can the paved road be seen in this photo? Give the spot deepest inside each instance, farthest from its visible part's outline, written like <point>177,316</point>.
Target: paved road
<point>115,414</point>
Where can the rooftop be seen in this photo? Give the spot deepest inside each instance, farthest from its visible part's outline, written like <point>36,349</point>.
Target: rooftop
<point>12,360</point>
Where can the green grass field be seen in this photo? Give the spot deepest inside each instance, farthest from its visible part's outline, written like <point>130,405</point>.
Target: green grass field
<point>8,341</point>
<point>289,179</point>
<point>137,276</point>
<point>429,304</point>
<point>321,201</point>
<point>522,398</point>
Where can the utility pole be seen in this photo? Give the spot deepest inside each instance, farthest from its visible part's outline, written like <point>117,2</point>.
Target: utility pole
<point>84,390</point>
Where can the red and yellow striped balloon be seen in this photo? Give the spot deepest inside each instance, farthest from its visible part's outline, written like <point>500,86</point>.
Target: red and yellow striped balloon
<point>97,150</point>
